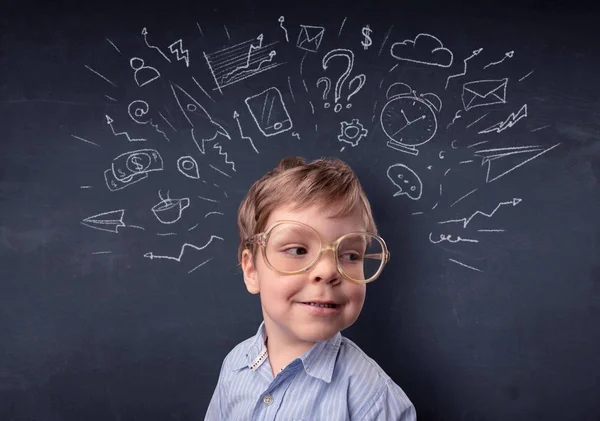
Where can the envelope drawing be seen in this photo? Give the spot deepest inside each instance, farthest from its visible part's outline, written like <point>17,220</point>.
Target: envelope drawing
<point>481,93</point>
<point>310,37</point>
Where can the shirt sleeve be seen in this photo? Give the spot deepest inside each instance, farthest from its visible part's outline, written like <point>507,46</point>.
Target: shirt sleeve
<point>391,404</point>
<point>215,407</point>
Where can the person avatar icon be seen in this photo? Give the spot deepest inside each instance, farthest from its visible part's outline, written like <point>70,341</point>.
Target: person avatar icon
<point>142,72</point>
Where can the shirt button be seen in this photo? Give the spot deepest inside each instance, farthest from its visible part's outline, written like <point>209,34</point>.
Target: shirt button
<point>268,400</point>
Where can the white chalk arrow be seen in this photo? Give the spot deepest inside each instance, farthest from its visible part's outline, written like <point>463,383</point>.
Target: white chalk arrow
<point>236,116</point>
<point>465,221</point>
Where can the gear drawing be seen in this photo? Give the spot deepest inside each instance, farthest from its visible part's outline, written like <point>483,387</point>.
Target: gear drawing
<point>352,132</point>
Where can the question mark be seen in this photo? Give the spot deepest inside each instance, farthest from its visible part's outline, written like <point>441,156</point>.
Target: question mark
<point>361,79</point>
<point>348,55</point>
<point>327,88</point>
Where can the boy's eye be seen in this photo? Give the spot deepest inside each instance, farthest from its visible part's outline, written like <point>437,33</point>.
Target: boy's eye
<point>350,256</point>
<point>296,251</point>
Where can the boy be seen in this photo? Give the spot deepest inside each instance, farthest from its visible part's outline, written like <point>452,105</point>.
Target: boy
<point>308,247</point>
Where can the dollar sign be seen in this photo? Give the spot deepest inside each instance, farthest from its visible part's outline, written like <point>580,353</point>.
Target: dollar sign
<point>366,31</point>
<point>138,166</point>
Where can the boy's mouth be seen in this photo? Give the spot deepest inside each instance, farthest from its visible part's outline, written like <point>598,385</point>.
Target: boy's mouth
<point>322,305</point>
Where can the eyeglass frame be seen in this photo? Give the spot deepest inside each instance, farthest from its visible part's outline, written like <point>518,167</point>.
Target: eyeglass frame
<point>262,238</point>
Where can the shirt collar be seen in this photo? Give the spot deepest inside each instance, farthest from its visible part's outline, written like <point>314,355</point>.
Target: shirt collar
<point>318,361</point>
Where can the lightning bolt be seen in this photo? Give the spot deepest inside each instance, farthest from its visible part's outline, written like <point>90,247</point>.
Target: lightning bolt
<point>220,149</point>
<point>466,221</point>
<point>181,54</point>
<point>508,123</point>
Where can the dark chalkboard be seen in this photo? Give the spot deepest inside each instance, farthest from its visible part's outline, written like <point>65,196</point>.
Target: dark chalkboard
<point>131,131</point>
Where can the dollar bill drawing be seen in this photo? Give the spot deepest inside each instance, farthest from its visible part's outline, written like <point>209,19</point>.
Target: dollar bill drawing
<point>132,163</point>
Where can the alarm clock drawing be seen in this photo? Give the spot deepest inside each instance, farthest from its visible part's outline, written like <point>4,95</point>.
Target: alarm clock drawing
<point>409,120</point>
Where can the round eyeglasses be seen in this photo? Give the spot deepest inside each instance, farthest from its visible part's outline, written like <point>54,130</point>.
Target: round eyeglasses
<point>291,247</point>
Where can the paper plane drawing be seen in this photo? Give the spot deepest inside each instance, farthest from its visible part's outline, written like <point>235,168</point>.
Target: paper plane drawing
<point>107,221</point>
<point>501,161</point>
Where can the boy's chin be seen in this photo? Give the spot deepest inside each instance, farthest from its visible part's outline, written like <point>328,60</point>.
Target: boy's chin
<point>316,334</point>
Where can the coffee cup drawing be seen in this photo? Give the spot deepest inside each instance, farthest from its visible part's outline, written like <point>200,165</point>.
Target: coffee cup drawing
<point>407,181</point>
<point>169,211</point>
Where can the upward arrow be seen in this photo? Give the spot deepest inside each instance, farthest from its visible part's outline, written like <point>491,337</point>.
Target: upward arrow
<point>109,121</point>
<point>465,221</point>
<point>236,116</point>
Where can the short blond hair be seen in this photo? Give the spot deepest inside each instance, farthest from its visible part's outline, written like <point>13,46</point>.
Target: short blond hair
<point>294,181</point>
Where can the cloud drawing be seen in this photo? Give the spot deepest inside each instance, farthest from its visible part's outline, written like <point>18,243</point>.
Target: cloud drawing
<point>424,49</point>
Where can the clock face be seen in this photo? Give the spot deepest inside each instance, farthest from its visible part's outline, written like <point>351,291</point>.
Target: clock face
<point>408,120</point>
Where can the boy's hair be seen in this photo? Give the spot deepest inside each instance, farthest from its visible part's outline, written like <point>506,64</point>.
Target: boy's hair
<point>326,181</point>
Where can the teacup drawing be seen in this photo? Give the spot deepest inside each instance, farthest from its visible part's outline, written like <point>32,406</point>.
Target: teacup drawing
<point>169,211</point>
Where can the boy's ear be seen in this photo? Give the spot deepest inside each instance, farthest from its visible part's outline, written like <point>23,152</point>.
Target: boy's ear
<point>250,273</point>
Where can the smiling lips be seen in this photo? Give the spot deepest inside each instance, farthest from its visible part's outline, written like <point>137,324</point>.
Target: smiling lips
<point>321,304</point>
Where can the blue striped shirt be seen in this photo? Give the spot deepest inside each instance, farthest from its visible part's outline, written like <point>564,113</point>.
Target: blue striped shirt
<point>333,380</point>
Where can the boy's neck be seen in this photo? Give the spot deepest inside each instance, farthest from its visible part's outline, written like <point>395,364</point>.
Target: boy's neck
<point>282,351</point>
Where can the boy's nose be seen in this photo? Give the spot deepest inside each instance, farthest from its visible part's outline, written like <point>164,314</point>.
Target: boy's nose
<point>325,269</point>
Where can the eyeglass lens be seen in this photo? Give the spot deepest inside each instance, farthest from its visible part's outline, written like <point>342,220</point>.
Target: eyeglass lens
<point>293,247</point>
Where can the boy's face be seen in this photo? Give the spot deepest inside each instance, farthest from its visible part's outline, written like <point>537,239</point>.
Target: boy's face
<point>283,297</point>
